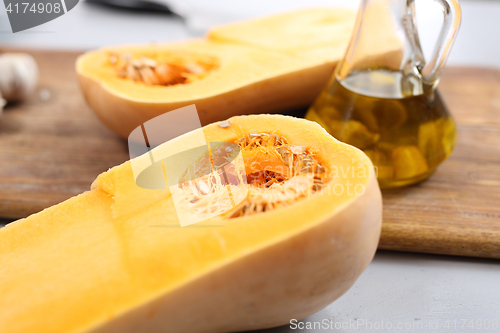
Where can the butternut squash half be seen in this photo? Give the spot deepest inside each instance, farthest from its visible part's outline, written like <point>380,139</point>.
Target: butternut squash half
<point>225,74</point>
<point>115,259</point>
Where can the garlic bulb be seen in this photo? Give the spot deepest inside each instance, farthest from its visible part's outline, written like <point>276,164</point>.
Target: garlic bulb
<point>18,76</point>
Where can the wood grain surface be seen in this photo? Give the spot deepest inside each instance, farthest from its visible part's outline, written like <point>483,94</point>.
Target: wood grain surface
<point>52,149</point>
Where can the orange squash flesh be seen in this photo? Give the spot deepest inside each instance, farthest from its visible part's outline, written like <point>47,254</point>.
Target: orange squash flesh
<point>115,259</point>
<point>306,32</point>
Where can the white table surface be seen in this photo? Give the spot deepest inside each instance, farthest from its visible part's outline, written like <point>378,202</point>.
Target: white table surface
<point>398,291</point>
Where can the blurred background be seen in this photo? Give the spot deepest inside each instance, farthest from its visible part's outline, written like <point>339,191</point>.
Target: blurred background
<point>97,23</point>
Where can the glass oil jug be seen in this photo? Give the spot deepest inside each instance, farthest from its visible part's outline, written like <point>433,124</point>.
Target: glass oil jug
<point>382,97</point>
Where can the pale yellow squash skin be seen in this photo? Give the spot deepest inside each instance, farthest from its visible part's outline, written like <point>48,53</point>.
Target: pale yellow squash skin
<point>115,259</point>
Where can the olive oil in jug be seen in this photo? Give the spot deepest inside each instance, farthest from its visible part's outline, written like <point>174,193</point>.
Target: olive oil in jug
<point>406,135</point>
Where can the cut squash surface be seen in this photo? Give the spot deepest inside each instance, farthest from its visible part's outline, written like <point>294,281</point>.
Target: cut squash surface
<point>226,74</point>
<point>293,32</point>
<point>230,62</point>
<point>243,80</point>
<point>115,259</point>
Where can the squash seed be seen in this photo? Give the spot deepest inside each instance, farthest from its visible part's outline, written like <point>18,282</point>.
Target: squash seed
<point>225,124</point>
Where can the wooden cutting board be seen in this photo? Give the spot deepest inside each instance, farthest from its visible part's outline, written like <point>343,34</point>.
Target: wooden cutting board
<point>53,148</point>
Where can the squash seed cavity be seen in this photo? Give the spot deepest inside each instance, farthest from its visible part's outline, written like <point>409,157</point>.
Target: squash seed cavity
<point>170,69</point>
<point>298,176</point>
<point>278,174</point>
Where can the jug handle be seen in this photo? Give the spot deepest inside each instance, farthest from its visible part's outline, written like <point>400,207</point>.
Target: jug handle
<point>451,23</point>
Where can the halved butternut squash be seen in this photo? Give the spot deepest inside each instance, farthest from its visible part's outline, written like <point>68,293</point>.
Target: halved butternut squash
<point>125,86</point>
<point>115,259</point>
<point>243,80</point>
